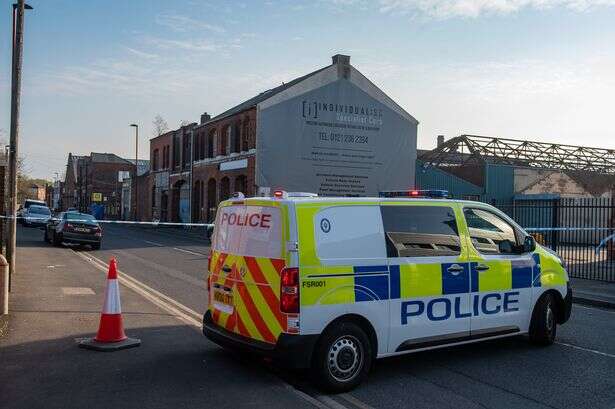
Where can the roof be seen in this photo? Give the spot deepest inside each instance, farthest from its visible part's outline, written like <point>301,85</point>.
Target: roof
<point>252,102</point>
<point>107,158</point>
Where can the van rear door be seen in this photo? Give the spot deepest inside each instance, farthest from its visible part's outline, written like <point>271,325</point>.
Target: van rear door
<point>247,259</point>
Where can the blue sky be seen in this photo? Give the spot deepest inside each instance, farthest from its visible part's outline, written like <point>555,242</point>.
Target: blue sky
<point>531,69</point>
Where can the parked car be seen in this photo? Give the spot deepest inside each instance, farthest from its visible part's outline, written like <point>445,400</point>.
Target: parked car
<point>74,227</point>
<point>28,202</point>
<point>36,216</point>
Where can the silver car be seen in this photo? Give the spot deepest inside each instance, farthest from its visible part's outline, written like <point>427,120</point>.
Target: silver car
<point>35,215</point>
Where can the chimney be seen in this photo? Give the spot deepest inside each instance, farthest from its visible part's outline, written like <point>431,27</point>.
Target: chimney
<point>205,117</point>
<point>440,140</point>
<point>343,65</point>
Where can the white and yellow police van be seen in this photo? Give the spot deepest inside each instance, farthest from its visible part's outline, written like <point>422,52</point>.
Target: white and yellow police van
<point>333,283</point>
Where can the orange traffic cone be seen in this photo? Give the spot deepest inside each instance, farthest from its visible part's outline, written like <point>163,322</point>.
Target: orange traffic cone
<point>111,336</point>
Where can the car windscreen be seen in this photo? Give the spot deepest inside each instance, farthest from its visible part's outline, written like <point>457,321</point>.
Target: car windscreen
<point>80,217</point>
<point>249,231</point>
<point>39,210</point>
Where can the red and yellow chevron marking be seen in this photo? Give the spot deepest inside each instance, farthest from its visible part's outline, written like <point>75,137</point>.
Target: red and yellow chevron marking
<point>255,282</point>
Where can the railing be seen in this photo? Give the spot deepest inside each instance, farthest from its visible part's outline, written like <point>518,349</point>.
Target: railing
<point>580,230</point>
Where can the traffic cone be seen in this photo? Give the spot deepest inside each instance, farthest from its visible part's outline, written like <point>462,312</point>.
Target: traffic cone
<point>110,335</point>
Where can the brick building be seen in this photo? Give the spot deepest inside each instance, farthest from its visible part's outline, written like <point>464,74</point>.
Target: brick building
<point>94,181</point>
<point>198,165</point>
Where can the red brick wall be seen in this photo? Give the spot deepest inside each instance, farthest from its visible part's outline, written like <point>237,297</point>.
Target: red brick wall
<point>103,178</point>
<point>210,137</point>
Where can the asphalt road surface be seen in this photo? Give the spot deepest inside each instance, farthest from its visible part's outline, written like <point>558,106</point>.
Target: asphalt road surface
<point>577,372</point>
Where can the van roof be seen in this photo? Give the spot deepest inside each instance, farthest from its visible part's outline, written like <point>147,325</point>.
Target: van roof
<point>369,199</point>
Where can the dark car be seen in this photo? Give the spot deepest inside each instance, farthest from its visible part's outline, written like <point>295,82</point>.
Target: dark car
<point>74,227</point>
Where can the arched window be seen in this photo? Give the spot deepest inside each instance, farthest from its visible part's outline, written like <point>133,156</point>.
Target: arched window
<point>210,143</point>
<point>225,188</point>
<point>212,199</point>
<point>245,135</point>
<point>235,137</point>
<point>240,184</point>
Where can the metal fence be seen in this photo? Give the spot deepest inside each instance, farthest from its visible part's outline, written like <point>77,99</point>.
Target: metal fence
<point>577,228</point>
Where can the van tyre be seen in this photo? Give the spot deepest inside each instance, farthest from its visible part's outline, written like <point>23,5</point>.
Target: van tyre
<point>342,358</point>
<point>543,326</point>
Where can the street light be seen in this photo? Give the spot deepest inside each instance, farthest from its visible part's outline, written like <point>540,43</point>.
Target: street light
<point>17,59</point>
<point>136,169</point>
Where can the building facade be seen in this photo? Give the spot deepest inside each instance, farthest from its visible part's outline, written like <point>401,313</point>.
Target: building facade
<point>93,183</point>
<point>332,132</point>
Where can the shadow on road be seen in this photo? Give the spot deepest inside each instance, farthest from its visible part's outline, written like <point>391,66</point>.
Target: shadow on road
<point>172,368</point>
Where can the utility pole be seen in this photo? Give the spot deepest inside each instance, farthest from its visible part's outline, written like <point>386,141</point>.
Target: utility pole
<point>136,170</point>
<point>18,24</point>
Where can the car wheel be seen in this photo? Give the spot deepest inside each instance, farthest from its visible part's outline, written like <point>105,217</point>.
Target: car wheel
<point>543,326</point>
<point>342,358</point>
<point>57,240</point>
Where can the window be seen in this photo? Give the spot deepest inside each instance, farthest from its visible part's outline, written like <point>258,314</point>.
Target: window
<point>420,231</point>
<point>339,235</point>
<point>155,159</point>
<point>488,230</point>
<point>249,231</point>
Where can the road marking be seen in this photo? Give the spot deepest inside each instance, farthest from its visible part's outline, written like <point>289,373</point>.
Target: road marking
<point>172,306</point>
<point>77,291</point>
<point>153,243</point>
<point>594,308</point>
<point>593,351</point>
<point>190,316</point>
<point>359,404</point>
<point>190,252</point>
<point>330,402</point>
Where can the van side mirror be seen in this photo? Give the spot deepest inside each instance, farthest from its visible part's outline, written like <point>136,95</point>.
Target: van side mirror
<point>505,247</point>
<point>529,244</point>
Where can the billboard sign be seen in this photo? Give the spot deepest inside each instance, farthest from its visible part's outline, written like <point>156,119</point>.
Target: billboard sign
<point>335,140</point>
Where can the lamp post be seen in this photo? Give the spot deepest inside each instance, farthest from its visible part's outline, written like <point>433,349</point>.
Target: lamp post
<point>136,170</point>
<point>17,59</point>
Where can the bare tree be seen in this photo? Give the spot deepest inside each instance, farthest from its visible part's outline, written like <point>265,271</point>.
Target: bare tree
<point>160,125</point>
<point>184,122</point>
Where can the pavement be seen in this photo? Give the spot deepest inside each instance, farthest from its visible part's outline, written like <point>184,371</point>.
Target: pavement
<point>592,292</point>
<point>163,297</point>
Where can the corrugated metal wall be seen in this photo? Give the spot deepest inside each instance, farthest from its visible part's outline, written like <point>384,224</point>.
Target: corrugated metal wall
<point>434,178</point>
<point>499,183</point>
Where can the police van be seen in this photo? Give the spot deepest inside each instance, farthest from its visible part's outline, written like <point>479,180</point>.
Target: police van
<point>332,284</point>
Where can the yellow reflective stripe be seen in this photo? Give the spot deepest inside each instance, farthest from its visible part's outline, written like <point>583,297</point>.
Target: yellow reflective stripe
<point>420,280</point>
<point>243,313</point>
<point>270,274</point>
<point>551,272</point>
<point>498,277</point>
<point>305,230</point>
<point>318,270</point>
<point>263,310</point>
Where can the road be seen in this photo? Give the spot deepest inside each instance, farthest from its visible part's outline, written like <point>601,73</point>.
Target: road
<point>577,372</point>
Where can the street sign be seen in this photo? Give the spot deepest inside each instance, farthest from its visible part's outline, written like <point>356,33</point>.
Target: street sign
<point>96,197</point>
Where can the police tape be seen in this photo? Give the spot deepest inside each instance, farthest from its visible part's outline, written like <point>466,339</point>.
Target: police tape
<point>538,229</point>
<point>131,222</point>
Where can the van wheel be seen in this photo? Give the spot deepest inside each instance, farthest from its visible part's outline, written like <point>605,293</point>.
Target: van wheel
<point>342,358</point>
<point>543,326</point>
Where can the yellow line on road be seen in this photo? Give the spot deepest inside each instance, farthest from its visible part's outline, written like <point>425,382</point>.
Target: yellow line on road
<point>172,306</point>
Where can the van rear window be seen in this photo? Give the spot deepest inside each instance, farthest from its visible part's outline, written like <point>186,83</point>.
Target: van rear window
<point>249,231</point>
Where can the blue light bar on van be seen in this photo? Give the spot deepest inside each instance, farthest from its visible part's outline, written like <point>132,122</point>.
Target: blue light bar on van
<point>431,193</point>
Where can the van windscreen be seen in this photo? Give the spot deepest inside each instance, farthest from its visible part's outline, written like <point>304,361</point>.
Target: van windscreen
<point>248,231</point>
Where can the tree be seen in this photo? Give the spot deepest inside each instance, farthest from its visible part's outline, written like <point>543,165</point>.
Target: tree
<point>160,125</point>
<point>184,122</point>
